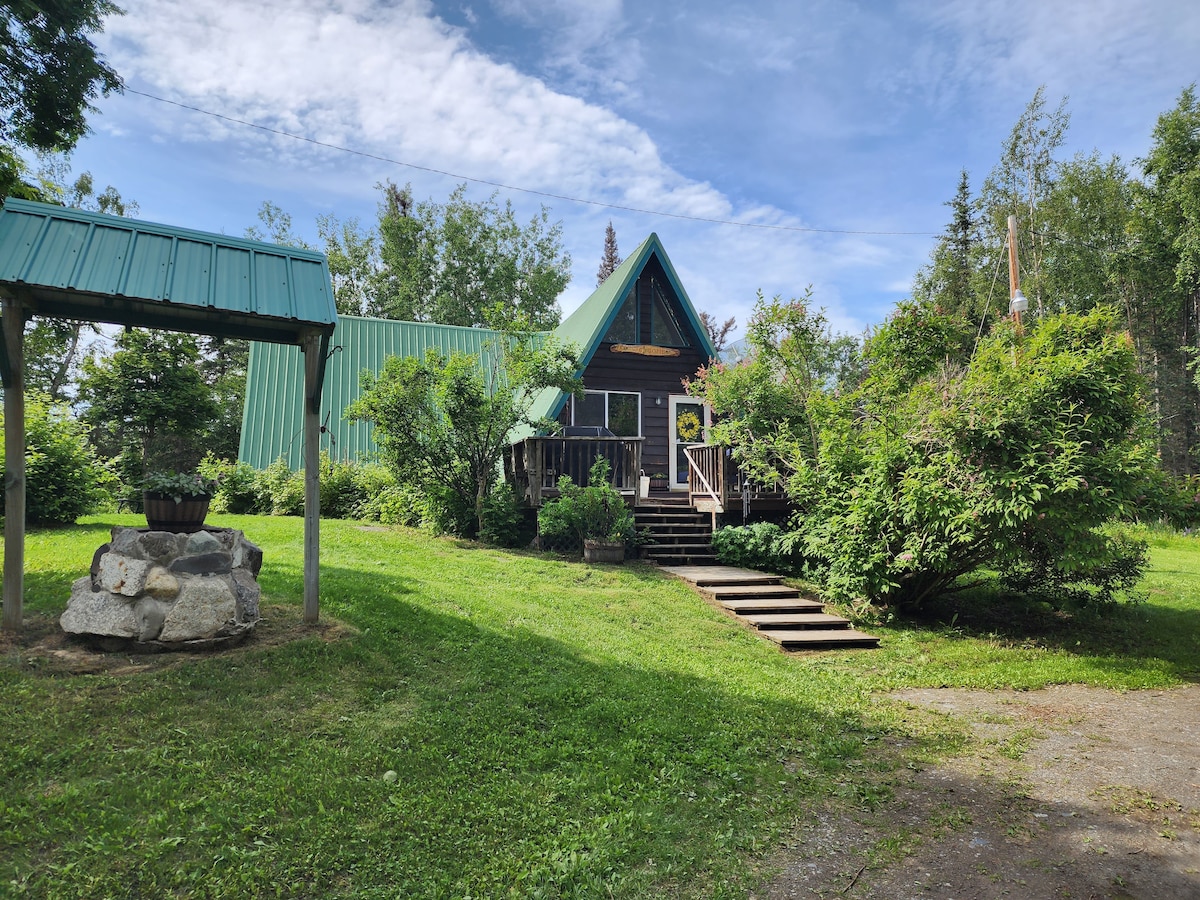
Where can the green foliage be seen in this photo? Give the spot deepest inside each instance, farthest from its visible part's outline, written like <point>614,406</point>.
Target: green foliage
<point>792,354</point>
<point>1088,234</point>
<point>929,473</point>
<point>282,489</point>
<point>467,263</point>
<point>63,478</point>
<point>507,520</point>
<point>443,422</point>
<point>342,495</point>
<point>180,484</point>
<point>354,263</point>
<point>759,545</point>
<point>50,71</point>
<point>149,399</point>
<point>238,487</point>
<point>596,512</point>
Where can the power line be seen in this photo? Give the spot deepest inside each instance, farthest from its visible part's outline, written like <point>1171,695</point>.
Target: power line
<point>524,190</point>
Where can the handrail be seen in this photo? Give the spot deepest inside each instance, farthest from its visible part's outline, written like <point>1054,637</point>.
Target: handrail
<point>694,467</point>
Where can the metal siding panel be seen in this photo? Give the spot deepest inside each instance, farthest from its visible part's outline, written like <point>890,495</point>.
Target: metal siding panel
<point>18,233</point>
<point>190,276</point>
<point>57,255</point>
<point>100,269</point>
<point>232,279</point>
<point>272,293</point>
<point>272,424</point>
<point>149,263</point>
<point>313,291</point>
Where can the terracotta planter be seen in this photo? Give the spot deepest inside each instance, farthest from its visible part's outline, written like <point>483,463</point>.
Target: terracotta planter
<point>164,514</point>
<point>603,551</point>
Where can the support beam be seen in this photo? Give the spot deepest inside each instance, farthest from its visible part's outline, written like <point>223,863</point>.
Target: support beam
<point>314,359</point>
<point>14,464</point>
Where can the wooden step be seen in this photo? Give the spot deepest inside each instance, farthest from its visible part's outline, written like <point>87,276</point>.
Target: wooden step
<point>787,621</point>
<point>748,591</point>
<point>710,576</point>
<point>811,639</point>
<point>767,605</point>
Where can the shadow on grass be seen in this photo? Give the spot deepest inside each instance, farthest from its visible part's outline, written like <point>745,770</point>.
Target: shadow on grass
<point>1133,631</point>
<point>516,761</point>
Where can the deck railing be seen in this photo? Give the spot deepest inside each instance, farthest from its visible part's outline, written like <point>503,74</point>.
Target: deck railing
<point>538,463</point>
<point>716,483</point>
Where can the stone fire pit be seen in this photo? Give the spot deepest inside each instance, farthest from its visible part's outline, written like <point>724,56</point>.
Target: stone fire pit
<point>158,590</point>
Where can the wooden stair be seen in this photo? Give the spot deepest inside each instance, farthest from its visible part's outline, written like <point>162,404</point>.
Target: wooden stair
<point>679,536</point>
<point>775,610</point>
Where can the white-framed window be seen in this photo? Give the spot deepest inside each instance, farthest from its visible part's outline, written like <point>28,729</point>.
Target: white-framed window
<point>618,411</point>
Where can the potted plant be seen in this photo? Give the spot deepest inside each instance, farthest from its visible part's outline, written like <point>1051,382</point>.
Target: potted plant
<point>177,501</point>
<point>659,481</point>
<point>596,516</point>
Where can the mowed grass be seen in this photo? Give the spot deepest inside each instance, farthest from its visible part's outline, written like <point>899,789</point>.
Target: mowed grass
<point>555,729</point>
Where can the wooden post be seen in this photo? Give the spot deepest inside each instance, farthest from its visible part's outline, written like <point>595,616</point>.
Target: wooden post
<point>1014,277</point>
<point>312,478</point>
<point>14,465</point>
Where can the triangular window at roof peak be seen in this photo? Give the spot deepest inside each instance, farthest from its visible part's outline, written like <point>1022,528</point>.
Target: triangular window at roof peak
<point>651,313</point>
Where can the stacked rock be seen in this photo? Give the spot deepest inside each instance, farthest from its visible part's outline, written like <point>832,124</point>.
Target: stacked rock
<point>161,590</point>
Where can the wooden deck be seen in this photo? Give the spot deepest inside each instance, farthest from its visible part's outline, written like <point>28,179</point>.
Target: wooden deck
<point>774,610</point>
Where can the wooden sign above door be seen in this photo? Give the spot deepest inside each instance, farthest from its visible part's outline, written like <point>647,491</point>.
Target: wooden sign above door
<point>645,349</point>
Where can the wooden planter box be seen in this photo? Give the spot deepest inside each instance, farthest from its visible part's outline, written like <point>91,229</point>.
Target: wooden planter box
<point>603,551</point>
<point>164,514</point>
<point>659,484</point>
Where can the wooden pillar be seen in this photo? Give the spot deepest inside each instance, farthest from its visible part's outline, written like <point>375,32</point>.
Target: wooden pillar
<point>312,478</point>
<point>1014,276</point>
<point>14,464</point>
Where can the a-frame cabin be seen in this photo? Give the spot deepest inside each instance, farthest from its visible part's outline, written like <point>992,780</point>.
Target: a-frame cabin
<point>640,339</point>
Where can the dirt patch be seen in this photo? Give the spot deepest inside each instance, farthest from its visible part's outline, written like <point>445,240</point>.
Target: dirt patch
<point>1068,792</point>
<point>43,646</point>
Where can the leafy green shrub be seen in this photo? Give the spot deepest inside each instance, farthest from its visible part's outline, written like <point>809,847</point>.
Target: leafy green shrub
<point>596,512</point>
<point>759,545</point>
<point>372,481</point>
<point>926,473</point>
<point>341,491</point>
<point>446,511</point>
<point>1120,560</point>
<point>282,489</point>
<point>506,520</point>
<point>239,491</point>
<point>63,478</point>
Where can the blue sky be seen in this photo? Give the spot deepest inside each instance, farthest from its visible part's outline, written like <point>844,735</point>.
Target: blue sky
<point>833,115</point>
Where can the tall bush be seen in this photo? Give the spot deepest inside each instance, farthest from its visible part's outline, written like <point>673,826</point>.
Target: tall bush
<point>63,477</point>
<point>926,474</point>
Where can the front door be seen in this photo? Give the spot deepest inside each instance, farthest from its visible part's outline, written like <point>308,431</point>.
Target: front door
<point>687,426</point>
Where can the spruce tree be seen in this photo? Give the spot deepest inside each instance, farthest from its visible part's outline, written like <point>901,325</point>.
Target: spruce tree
<point>611,258</point>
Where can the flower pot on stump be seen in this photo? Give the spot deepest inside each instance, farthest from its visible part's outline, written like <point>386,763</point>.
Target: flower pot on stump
<point>165,513</point>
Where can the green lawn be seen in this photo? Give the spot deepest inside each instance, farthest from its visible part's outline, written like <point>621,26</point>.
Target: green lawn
<point>556,729</point>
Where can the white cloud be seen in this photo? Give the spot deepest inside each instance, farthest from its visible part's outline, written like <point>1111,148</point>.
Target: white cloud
<point>395,81</point>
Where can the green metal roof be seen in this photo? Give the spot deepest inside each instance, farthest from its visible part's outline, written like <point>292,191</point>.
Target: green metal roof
<point>587,325</point>
<point>77,264</point>
<point>273,414</point>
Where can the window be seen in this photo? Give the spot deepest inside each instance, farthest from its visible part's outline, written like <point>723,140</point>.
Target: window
<point>664,326</point>
<point>624,329</point>
<point>620,413</point>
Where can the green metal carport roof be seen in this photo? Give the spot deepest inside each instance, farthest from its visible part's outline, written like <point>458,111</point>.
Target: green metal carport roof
<point>74,264</point>
<point>83,265</point>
